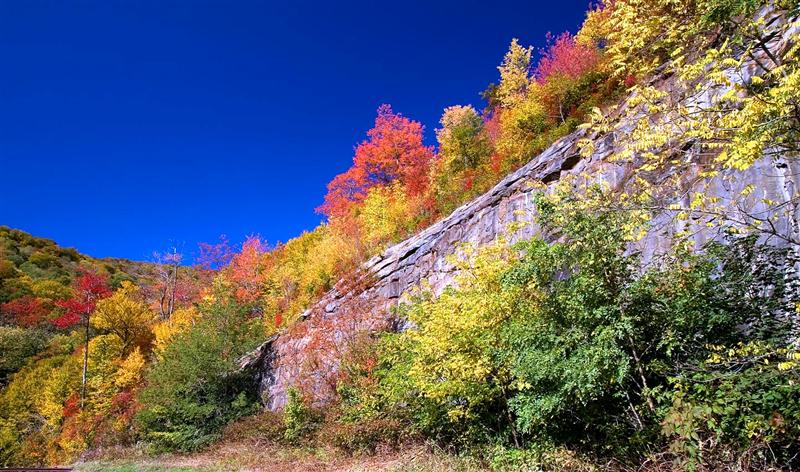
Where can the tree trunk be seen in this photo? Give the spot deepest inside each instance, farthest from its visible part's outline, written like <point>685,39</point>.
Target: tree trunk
<point>645,389</point>
<point>171,307</point>
<point>85,361</point>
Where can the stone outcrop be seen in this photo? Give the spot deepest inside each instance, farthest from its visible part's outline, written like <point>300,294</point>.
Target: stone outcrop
<point>283,360</point>
<point>309,352</point>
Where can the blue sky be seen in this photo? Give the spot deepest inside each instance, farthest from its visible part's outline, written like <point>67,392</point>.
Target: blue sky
<point>129,126</point>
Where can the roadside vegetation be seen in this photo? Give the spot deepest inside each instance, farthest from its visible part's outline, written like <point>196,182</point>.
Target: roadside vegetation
<point>567,351</point>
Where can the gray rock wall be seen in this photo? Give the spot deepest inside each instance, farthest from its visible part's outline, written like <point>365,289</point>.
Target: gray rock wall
<point>307,355</point>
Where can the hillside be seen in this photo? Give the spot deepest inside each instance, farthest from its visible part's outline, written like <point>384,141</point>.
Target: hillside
<point>35,274</point>
<point>759,200</point>
<point>42,298</point>
<point>599,271</point>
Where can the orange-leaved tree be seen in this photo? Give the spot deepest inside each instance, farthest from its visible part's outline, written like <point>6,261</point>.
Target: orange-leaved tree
<point>393,151</point>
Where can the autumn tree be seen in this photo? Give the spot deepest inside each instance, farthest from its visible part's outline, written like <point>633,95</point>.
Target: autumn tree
<point>463,144</point>
<point>246,270</point>
<point>565,57</point>
<point>393,151</point>
<point>192,390</point>
<point>388,214</point>
<point>88,289</point>
<point>165,331</point>
<point>125,315</point>
<point>302,269</point>
<point>566,70</point>
<point>26,311</point>
<point>520,115</point>
<point>514,75</point>
<point>215,256</point>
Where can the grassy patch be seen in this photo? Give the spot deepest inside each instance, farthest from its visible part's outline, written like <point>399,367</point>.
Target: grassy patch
<point>132,467</point>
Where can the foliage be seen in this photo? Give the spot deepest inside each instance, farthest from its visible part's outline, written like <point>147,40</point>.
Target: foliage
<point>42,421</point>
<point>26,311</point>
<point>393,151</point>
<point>245,270</point>
<point>126,316</point>
<point>449,358</point>
<point>731,101</point>
<point>299,419</point>
<point>514,75</point>
<point>264,427</point>
<point>541,355</point>
<point>464,151</point>
<point>164,331</point>
<point>301,270</point>
<point>566,344</point>
<point>388,213</point>
<point>16,346</point>
<point>742,398</point>
<point>536,103</point>
<point>566,58</point>
<point>364,436</point>
<point>191,393</point>
<point>88,289</point>
<point>40,268</point>
<point>215,256</point>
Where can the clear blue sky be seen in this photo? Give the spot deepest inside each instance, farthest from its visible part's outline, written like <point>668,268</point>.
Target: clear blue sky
<point>126,126</point>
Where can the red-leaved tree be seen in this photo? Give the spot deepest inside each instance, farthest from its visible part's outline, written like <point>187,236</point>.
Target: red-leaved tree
<point>393,150</point>
<point>565,57</point>
<point>26,311</point>
<point>88,289</point>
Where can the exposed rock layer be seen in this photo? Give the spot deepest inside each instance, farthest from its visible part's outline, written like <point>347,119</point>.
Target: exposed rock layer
<point>284,360</point>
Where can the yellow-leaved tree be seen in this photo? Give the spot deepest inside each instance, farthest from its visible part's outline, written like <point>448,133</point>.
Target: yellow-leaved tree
<point>125,315</point>
<point>164,331</point>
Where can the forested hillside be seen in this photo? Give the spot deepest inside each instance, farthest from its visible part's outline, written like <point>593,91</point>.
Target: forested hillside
<point>35,276</point>
<point>577,347</point>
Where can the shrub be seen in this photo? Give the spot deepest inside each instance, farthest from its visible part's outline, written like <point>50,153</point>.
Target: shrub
<point>299,419</point>
<point>741,404</point>
<point>265,426</point>
<point>192,392</point>
<point>17,345</point>
<point>571,345</point>
<point>362,437</point>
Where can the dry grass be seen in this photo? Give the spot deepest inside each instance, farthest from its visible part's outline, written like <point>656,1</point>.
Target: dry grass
<point>256,456</point>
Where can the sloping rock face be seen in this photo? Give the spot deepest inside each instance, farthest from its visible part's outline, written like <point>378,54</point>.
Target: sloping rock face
<point>308,354</point>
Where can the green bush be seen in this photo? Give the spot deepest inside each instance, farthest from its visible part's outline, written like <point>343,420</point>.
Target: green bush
<point>191,392</point>
<point>741,402</point>
<point>299,419</point>
<point>17,345</point>
<point>571,345</point>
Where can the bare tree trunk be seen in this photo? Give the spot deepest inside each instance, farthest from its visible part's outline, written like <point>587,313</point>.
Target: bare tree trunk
<point>174,287</point>
<point>640,370</point>
<point>85,360</point>
<point>163,313</point>
<point>167,266</point>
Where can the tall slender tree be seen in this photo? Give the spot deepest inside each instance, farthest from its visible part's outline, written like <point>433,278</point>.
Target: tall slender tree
<point>88,289</point>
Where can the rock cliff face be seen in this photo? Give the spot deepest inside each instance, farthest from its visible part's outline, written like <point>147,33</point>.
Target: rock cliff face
<point>308,354</point>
